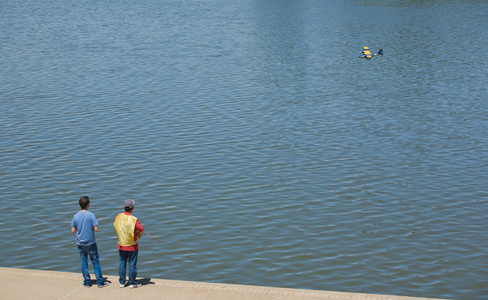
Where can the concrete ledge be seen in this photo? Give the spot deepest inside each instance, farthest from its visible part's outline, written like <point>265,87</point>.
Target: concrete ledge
<point>36,284</point>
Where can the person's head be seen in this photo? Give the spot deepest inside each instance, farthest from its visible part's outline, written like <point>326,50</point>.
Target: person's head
<point>129,205</point>
<point>84,202</point>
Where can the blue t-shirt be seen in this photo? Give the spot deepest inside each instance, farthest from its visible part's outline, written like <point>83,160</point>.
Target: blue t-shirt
<point>84,221</point>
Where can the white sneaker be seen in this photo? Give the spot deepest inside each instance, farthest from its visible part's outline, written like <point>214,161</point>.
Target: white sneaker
<point>133,286</point>
<point>122,285</point>
<point>105,284</point>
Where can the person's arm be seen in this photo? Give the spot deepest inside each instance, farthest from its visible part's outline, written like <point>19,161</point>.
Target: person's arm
<point>73,225</point>
<point>139,229</point>
<point>94,223</point>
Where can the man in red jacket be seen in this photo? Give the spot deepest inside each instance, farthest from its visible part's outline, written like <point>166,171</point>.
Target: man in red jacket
<point>129,230</point>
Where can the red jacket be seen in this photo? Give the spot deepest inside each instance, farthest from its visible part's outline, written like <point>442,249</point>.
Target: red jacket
<point>138,230</point>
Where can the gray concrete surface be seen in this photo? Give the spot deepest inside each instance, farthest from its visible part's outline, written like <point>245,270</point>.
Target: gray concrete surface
<point>38,284</point>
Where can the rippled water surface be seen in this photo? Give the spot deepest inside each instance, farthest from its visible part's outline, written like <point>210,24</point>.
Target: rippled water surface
<point>259,148</point>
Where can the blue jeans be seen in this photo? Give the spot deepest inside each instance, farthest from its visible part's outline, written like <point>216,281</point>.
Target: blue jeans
<point>131,258</point>
<point>91,251</point>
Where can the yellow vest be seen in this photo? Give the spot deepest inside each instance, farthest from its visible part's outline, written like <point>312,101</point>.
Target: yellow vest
<point>124,226</point>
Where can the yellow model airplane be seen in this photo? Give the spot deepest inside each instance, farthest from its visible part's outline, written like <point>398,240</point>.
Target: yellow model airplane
<point>367,53</point>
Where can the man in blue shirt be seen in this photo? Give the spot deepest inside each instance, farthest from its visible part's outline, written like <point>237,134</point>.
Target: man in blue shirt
<point>85,225</point>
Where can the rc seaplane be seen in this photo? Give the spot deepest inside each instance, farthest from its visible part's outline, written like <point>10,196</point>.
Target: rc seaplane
<point>367,53</point>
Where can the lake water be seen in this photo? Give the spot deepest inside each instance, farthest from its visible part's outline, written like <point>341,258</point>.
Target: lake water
<point>258,147</point>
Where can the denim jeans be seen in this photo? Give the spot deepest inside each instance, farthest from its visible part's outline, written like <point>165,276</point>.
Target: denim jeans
<point>131,258</point>
<point>91,251</point>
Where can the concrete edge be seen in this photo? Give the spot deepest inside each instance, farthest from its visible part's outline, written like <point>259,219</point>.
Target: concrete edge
<point>172,289</point>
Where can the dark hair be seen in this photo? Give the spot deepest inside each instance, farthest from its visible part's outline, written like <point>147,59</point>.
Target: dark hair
<point>84,201</point>
<point>128,209</point>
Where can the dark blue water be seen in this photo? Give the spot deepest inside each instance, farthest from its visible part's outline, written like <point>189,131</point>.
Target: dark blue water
<point>258,147</point>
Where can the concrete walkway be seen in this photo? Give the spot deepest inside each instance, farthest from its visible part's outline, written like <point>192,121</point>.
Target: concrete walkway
<point>35,284</point>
